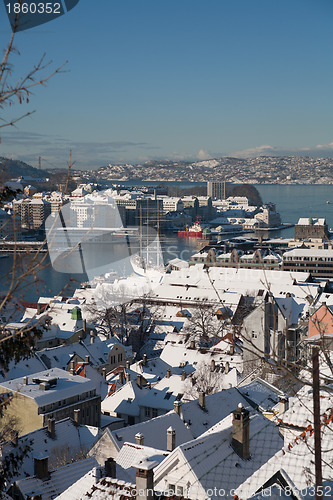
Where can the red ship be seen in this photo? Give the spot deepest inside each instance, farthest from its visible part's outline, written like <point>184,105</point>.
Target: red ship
<point>194,231</point>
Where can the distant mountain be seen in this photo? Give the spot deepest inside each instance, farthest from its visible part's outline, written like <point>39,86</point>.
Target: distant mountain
<point>14,168</point>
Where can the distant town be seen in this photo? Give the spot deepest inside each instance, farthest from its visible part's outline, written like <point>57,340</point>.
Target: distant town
<point>259,170</point>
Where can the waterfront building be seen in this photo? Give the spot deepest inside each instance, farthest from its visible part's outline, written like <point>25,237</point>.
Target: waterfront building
<point>147,211</point>
<point>96,210</point>
<point>235,258</point>
<point>318,262</point>
<point>32,212</point>
<point>171,204</point>
<point>191,205</point>
<point>268,216</point>
<point>311,228</point>
<point>205,210</point>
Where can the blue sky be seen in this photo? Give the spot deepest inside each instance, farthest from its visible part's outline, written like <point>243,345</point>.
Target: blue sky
<point>174,79</point>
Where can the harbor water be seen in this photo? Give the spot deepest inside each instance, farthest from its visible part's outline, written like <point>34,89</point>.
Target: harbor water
<point>292,202</point>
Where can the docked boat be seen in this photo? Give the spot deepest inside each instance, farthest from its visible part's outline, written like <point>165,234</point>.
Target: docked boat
<point>195,231</point>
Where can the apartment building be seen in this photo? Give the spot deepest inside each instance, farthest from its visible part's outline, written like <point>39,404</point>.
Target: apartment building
<point>217,189</point>
<point>32,212</point>
<point>53,393</point>
<point>318,262</point>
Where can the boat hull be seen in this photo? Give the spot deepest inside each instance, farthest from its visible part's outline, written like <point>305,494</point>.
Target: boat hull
<point>189,234</point>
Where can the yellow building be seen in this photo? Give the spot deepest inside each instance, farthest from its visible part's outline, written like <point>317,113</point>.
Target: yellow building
<point>53,393</point>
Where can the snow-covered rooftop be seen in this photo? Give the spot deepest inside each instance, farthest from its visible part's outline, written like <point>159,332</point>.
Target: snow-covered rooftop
<point>66,386</point>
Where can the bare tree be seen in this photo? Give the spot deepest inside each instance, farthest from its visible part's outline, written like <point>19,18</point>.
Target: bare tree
<point>202,323</point>
<point>113,320</point>
<point>203,380</point>
<point>19,89</point>
<point>63,455</point>
<point>19,343</point>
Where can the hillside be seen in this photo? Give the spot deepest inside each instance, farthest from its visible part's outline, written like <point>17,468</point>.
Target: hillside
<point>16,168</point>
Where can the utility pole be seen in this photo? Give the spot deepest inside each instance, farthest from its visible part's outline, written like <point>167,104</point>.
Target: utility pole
<point>39,162</point>
<point>316,421</point>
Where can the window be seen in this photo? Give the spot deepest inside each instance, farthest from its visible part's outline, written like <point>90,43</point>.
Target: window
<point>120,357</point>
<point>147,411</point>
<point>154,413</point>
<point>172,488</point>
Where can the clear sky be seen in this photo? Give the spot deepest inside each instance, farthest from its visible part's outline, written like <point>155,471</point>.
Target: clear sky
<point>150,79</point>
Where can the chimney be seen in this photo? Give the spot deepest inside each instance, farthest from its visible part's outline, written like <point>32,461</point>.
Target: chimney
<point>84,325</point>
<point>232,350</point>
<point>145,479</point>
<point>104,373</point>
<point>121,377</point>
<point>177,407</point>
<point>72,367</point>
<point>283,404</point>
<point>128,364</point>
<point>39,308</point>
<point>92,337</point>
<point>202,400</point>
<point>41,467</point>
<point>183,375</point>
<point>128,377</point>
<point>88,359</point>
<point>192,344</point>
<point>226,368</point>
<point>77,416</point>
<point>171,439</point>
<point>110,468</point>
<point>139,380</point>
<point>212,365</point>
<point>51,427</point>
<point>14,437</point>
<point>241,432</point>
<point>144,360</point>
<point>139,438</point>
<point>25,380</point>
<point>168,373</point>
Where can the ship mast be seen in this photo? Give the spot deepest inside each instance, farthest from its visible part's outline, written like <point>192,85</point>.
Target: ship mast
<point>70,164</point>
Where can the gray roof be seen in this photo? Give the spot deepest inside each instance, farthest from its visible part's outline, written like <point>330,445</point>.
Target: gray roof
<point>69,441</point>
<point>60,479</point>
<point>154,431</point>
<point>67,385</point>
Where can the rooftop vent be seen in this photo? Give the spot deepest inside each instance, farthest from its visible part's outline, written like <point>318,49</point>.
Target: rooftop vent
<point>45,380</point>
